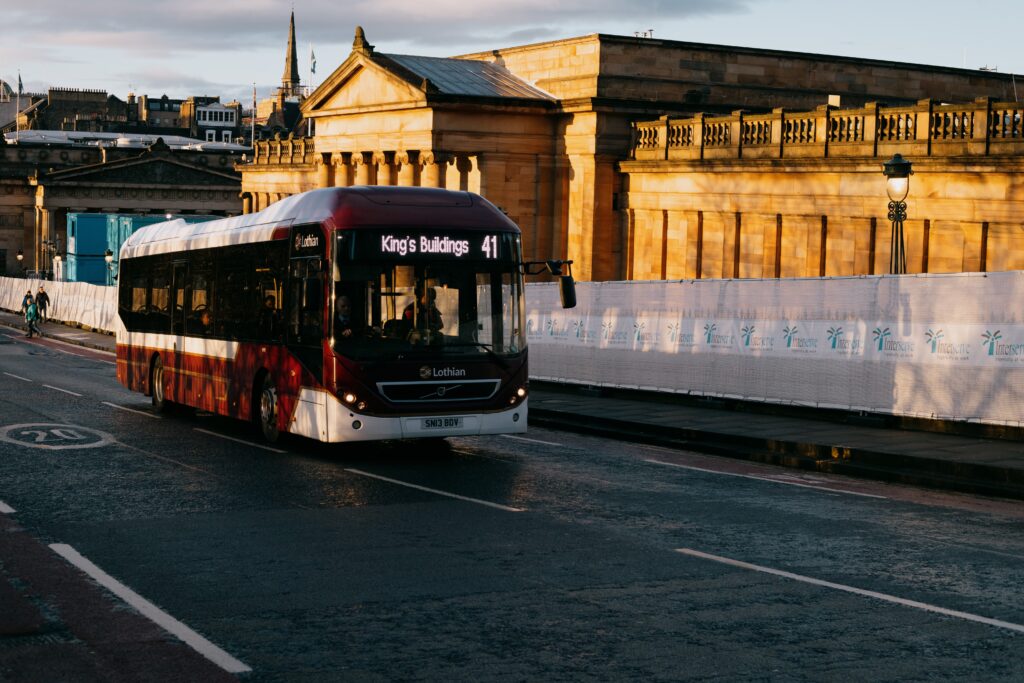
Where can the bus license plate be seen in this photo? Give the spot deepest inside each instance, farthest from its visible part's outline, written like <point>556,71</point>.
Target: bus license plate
<point>441,422</point>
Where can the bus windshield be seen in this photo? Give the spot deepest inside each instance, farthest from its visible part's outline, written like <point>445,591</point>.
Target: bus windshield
<point>402,294</point>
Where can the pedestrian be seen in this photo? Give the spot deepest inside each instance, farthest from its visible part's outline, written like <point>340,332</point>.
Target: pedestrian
<point>42,301</point>
<point>31,317</point>
<point>25,301</point>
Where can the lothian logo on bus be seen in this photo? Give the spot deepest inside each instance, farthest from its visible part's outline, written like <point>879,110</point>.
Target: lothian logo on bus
<point>427,372</point>
<point>306,241</point>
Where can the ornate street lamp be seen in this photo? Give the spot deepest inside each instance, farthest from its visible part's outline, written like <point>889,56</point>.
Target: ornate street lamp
<point>21,257</point>
<point>108,256</point>
<point>897,172</point>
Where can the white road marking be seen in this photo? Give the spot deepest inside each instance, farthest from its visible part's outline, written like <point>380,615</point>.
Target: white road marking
<point>50,386</point>
<point>772,480</point>
<point>857,591</point>
<point>5,508</point>
<point>440,493</point>
<point>23,379</point>
<point>152,612</point>
<point>131,410</point>
<point>71,336</point>
<point>523,438</point>
<point>247,443</point>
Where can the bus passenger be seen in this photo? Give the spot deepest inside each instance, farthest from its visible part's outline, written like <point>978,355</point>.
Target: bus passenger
<point>268,317</point>
<point>427,317</point>
<point>343,317</point>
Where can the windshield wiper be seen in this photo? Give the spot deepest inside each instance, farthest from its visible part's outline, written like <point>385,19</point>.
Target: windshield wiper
<point>489,348</point>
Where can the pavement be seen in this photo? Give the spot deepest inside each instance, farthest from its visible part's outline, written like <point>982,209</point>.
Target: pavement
<point>90,640</point>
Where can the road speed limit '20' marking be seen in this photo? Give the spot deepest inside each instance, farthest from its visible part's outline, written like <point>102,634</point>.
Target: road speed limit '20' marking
<point>54,436</point>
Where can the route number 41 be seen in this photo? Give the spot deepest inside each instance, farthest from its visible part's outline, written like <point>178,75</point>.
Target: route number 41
<point>490,246</point>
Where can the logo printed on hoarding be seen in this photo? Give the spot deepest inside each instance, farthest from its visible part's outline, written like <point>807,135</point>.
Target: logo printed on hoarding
<point>990,341</point>
<point>798,344</point>
<point>677,337</point>
<point>1003,352</point>
<point>790,334</point>
<point>892,347</point>
<point>842,343</point>
<point>711,337</point>
<point>754,341</point>
<point>947,350</point>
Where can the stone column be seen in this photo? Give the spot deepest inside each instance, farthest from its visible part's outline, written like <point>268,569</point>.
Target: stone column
<point>323,170</point>
<point>246,202</point>
<point>342,169</point>
<point>362,168</point>
<point>433,168</point>
<point>407,166</point>
<point>385,164</point>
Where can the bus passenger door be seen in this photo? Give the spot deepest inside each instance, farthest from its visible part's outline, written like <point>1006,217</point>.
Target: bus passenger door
<point>178,286</point>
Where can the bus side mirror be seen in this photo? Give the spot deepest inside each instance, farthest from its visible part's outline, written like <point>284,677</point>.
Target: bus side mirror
<point>567,291</point>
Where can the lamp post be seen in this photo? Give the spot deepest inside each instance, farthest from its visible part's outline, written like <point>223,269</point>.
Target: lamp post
<point>58,271</point>
<point>21,257</point>
<point>897,185</point>
<point>108,256</point>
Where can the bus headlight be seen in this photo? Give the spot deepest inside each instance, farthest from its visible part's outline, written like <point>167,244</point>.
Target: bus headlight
<point>521,392</point>
<point>348,397</point>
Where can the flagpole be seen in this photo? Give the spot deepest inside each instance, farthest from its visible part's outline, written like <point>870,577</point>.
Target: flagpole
<point>309,87</point>
<point>253,120</point>
<point>17,112</point>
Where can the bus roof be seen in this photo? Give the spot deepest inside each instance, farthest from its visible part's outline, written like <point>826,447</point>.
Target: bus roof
<point>341,207</point>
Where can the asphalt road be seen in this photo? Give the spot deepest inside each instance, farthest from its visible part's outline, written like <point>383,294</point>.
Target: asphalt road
<point>547,557</point>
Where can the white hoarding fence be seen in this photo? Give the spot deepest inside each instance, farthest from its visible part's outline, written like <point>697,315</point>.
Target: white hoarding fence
<point>934,346</point>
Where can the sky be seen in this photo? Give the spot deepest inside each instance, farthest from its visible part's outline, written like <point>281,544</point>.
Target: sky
<point>198,47</point>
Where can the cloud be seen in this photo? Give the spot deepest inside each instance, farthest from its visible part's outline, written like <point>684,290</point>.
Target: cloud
<point>235,24</point>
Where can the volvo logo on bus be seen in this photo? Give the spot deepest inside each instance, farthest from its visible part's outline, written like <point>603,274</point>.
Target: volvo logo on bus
<point>427,372</point>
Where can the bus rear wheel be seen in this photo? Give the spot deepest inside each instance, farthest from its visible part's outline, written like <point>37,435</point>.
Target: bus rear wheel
<point>267,414</point>
<point>156,386</point>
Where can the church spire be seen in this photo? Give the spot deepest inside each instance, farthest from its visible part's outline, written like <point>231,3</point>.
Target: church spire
<point>290,79</point>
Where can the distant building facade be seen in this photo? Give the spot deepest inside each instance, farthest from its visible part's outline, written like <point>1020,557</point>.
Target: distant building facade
<point>550,133</point>
<point>45,175</point>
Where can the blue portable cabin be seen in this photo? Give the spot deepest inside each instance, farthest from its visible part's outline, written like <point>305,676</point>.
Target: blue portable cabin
<point>91,234</point>
<point>87,244</point>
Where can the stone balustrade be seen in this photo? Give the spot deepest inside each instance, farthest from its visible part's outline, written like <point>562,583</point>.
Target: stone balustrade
<point>284,151</point>
<point>928,128</point>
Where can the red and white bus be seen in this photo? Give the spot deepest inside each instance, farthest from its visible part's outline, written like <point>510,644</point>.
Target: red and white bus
<point>342,314</point>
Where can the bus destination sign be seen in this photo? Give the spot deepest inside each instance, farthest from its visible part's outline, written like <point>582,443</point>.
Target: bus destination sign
<point>455,246</point>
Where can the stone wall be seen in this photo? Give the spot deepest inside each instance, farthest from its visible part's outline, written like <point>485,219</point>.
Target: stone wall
<point>802,194</point>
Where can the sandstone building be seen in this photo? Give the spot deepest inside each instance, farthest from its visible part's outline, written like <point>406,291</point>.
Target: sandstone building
<point>563,136</point>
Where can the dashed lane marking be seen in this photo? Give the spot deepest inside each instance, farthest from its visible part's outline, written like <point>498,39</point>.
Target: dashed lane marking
<point>523,438</point>
<point>488,503</point>
<point>768,479</point>
<point>131,410</point>
<point>247,443</point>
<point>151,611</point>
<point>851,589</point>
<point>50,386</point>
<point>6,509</point>
<point>23,379</point>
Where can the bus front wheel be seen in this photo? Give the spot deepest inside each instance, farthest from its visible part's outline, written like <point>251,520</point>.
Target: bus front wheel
<point>267,415</point>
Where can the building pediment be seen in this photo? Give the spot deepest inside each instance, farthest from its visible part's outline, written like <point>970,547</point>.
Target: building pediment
<point>361,83</point>
<point>149,170</point>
